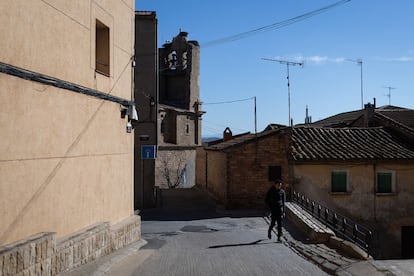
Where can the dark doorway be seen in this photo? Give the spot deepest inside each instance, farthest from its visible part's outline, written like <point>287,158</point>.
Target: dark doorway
<point>407,242</point>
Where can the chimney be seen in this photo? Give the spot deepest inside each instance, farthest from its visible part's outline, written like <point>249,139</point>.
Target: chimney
<point>227,135</point>
<point>369,110</point>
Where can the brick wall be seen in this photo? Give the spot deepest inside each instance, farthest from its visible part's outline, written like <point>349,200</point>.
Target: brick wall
<point>238,177</point>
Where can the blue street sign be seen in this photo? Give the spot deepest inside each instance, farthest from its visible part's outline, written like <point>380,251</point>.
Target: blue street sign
<point>148,151</point>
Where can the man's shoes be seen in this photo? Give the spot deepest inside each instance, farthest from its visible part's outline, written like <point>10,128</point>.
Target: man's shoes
<point>269,234</point>
<point>278,239</point>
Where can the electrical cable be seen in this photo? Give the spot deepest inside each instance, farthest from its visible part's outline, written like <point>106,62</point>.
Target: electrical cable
<point>227,102</point>
<point>47,80</point>
<point>273,26</point>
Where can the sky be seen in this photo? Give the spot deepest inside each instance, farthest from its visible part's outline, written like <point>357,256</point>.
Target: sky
<point>234,72</point>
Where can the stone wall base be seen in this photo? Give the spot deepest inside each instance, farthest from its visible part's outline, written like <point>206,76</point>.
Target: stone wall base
<point>42,254</point>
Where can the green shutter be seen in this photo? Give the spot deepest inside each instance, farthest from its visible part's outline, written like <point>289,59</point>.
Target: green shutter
<point>339,180</point>
<point>384,182</point>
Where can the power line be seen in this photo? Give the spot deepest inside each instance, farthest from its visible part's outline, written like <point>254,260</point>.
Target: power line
<point>227,102</point>
<point>274,26</point>
<point>240,100</point>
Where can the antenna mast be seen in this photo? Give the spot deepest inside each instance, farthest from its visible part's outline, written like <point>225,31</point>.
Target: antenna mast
<point>359,62</point>
<point>287,63</point>
<point>389,93</point>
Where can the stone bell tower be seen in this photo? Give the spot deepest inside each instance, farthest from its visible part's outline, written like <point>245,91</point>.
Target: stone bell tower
<point>179,113</point>
<point>179,72</point>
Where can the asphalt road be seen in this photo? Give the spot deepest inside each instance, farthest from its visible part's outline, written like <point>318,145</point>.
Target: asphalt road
<point>188,235</point>
<point>217,246</point>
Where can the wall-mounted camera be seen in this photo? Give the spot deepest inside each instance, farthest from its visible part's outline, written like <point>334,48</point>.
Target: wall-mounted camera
<point>129,127</point>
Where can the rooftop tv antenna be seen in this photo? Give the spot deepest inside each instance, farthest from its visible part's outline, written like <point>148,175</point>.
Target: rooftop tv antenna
<point>287,63</point>
<point>389,93</point>
<point>359,62</point>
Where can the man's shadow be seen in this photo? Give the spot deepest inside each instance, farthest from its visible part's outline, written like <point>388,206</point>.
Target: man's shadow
<point>258,242</point>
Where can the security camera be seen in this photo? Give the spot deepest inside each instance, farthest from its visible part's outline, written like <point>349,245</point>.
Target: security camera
<point>129,127</point>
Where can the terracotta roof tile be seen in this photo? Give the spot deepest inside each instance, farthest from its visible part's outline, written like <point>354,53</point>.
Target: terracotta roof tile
<point>401,115</point>
<point>346,144</point>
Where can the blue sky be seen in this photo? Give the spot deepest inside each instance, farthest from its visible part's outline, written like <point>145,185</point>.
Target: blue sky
<point>380,33</point>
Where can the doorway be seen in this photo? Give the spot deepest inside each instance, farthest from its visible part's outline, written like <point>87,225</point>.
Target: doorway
<point>407,242</point>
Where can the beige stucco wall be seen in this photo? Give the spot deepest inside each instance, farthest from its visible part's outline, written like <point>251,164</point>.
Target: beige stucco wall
<point>66,161</point>
<point>383,214</point>
<point>315,182</point>
<point>201,159</point>
<point>216,176</point>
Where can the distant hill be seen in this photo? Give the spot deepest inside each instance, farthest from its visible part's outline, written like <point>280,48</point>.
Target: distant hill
<point>209,138</point>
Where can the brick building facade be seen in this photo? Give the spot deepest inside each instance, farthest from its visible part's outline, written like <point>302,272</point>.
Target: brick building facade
<point>238,172</point>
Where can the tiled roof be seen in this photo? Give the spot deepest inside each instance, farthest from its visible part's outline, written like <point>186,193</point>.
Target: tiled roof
<point>340,120</point>
<point>324,144</point>
<point>230,143</point>
<point>401,115</point>
<point>244,138</point>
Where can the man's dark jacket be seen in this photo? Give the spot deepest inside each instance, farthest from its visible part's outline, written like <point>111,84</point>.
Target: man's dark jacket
<point>275,200</point>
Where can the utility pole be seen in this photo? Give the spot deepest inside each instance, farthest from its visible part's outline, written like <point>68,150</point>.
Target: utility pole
<point>359,62</point>
<point>389,93</point>
<point>287,63</point>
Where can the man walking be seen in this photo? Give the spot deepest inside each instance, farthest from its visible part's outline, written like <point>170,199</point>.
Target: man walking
<point>275,200</point>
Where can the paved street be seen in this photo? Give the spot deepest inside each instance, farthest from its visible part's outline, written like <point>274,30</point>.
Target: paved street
<point>189,236</point>
<point>220,246</point>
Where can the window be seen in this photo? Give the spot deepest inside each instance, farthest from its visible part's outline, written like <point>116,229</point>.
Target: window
<point>275,172</point>
<point>339,182</point>
<point>187,128</point>
<point>102,64</point>
<point>385,182</point>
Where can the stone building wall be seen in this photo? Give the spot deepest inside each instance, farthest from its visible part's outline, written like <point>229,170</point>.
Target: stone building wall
<point>43,254</point>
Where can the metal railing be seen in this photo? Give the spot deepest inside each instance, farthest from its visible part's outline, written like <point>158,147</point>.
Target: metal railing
<point>342,226</point>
